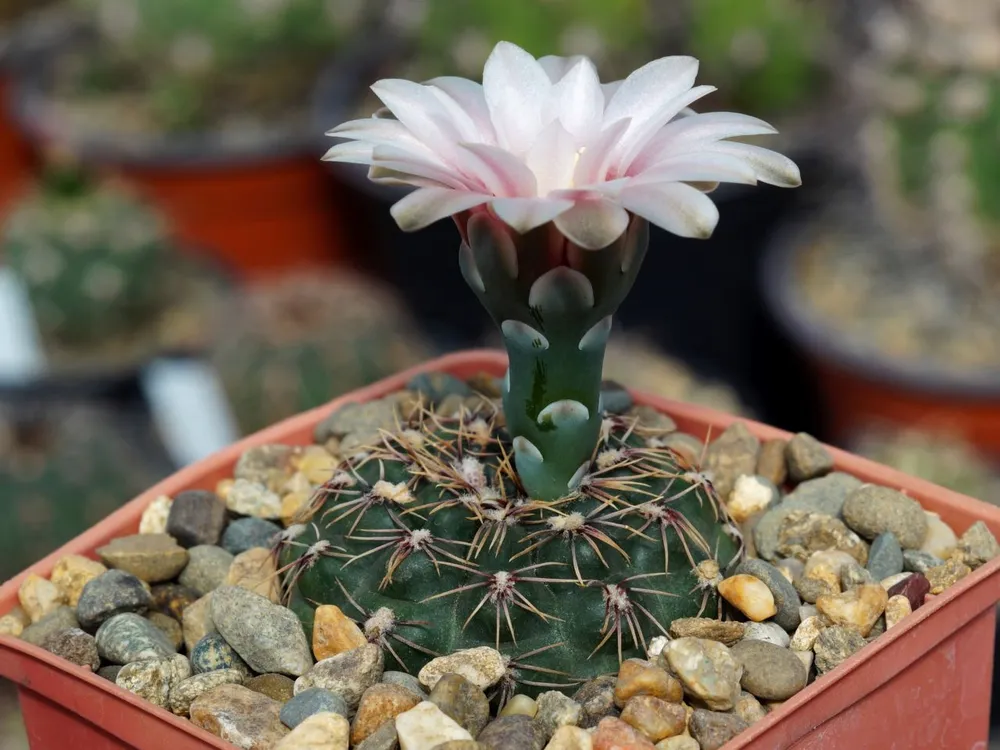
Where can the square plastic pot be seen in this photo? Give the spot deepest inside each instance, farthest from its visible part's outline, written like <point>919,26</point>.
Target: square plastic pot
<point>921,686</point>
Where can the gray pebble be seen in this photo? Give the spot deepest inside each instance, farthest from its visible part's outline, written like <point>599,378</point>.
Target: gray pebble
<point>713,729</point>
<point>807,458</point>
<point>349,674</point>
<point>436,386</point>
<point>383,738</point>
<point>309,702</point>
<point>110,672</point>
<point>769,632</point>
<point>872,510</point>
<point>614,398</point>
<point>853,575</point>
<point>462,701</point>
<point>786,599</point>
<point>206,569</point>
<point>597,700</point>
<point>885,556</point>
<point>509,732</point>
<point>61,618</point>
<point>247,533</point>
<point>769,671</point>
<point>916,561</point>
<point>834,645</point>
<point>406,680</point>
<point>109,594</point>
<point>187,691</point>
<point>212,653</point>
<point>128,638</point>
<point>196,517</point>
<point>74,646</point>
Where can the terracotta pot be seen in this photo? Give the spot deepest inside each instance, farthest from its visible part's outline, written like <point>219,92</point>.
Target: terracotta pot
<point>861,388</point>
<point>920,686</point>
<point>16,161</point>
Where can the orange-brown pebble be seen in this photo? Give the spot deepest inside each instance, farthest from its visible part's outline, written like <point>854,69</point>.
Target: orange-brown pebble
<point>379,703</point>
<point>638,677</point>
<point>615,734</point>
<point>655,718</point>
<point>295,507</point>
<point>334,632</point>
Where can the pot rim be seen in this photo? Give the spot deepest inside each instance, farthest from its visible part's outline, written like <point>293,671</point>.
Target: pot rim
<point>786,303</point>
<point>976,589</point>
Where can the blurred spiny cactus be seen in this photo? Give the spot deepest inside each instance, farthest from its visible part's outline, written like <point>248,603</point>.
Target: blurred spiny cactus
<point>431,542</point>
<point>91,255</point>
<point>307,338</point>
<point>196,65</point>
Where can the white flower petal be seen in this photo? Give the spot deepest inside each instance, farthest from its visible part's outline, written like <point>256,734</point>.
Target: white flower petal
<point>690,132</point>
<point>770,166</point>
<point>596,159</point>
<point>383,132</point>
<point>469,96</point>
<point>516,90</point>
<point>593,223</point>
<point>524,214</point>
<point>384,176</point>
<point>636,138</point>
<point>698,166</point>
<point>643,94</point>
<point>351,152</point>
<point>422,112</point>
<point>423,207</point>
<point>553,158</point>
<point>556,67</point>
<point>578,100</point>
<point>610,89</point>
<point>502,173</point>
<point>400,160</point>
<point>676,207</point>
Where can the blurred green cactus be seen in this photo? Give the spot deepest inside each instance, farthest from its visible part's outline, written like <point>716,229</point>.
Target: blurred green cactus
<point>302,340</point>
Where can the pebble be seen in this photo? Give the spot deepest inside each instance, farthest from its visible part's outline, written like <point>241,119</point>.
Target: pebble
<point>185,692</point>
<point>896,609</point>
<point>768,632</point>
<point>834,645</point>
<point>749,595</point>
<point>324,731</point>
<point>654,718</point>
<point>804,532</point>
<point>253,499</point>
<point>791,569</point>
<point>149,557</point>
<point>858,608</point>
<point>265,464</point>
<point>978,545</point>
<point>570,738</point>
<point>655,646</point>
<point>824,495</point>
<point>940,539</point>
<point>770,672</point>
<point>615,399</point>
<point>240,716</point>
<point>39,597</point>
<point>808,610</point>
<point>707,671</point>
<point>916,561</point>
<point>771,461</point>
<point>596,699</point>
<point>12,625</point>
<point>615,734</point>
<point>682,742</point>
<point>947,575</point>
<point>512,732</point>
<point>751,495</point>
<point>712,730</point>
<point>749,708</point>
<point>171,599</point>
<point>877,629</point>
<point>154,517</point>
<point>348,674</point>
<point>295,507</point>
<point>313,701</point>
<point>556,710</point>
<point>872,510</point>
<point>914,587</point>
<point>807,458</point>
<point>129,637</point>
<point>807,658</point>
<point>197,518</point>
<point>269,638</point>
<point>207,568</point>
<point>888,583</point>
<point>72,572</point>
<point>277,687</point>
<point>383,738</point>
<point>638,677</point>
<point>728,632</point>
<point>482,666</point>
<point>853,575</point>
<point>404,679</point>
<point>437,385</point>
<point>425,726</point>
<point>247,533</point>
<point>110,594</point>
<point>153,679</point>
<point>62,618</point>
<point>381,703</point>
<point>885,556</point>
<point>811,589</point>
<point>110,672</point>
<point>786,599</point>
<point>212,653</point>
<point>688,447</point>
<point>316,464</point>
<point>522,705</point>
<point>807,633</point>
<point>74,646</point>
<point>731,455</point>
<point>255,570</point>
<point>362,421</point>
<point>462,701</point>
<point>334,632</point>
<point>196,621</point>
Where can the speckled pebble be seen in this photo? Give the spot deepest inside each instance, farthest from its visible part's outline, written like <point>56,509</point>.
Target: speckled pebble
<point>707,671</point>
<point>185,692</point>
<point>556,710</point>
<point>807,458</point>
<point>206,569</point>
<point>404,679</point>
<point>834,645</point>
<point>511,732</point>
<point>596,699</point>
<point>240,716</point>
<point>713,729</point>
<point>916,561</point>
<point>348,674</point>
<point>72,572</point>
<point>872,510</point>
<point>277,687</point>
<point>212,653</point>
<point>947,575</point>
<point>482,666</point>
<point>978,545</point>
<point>153,679</point>
<point>128,637</point>
<point>74,646</point>
<point>109,594</point>
<point>253,499</point>
<point>380,703</point>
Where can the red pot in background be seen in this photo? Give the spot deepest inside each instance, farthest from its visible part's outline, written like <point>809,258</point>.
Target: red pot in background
<point>920,686</point>
<point>16,159</point>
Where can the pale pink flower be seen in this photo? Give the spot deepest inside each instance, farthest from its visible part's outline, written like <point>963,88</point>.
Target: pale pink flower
<point>544,140</point>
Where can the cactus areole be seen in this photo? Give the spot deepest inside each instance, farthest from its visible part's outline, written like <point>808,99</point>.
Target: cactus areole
<point>561,535</point>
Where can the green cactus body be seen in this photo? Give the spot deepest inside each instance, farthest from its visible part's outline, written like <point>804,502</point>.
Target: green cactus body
<point>91,256</point>
<point>431,543</point>
<point>305,339</point>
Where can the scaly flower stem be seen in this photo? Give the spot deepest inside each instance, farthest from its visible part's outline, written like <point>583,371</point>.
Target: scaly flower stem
<point>553,303</point>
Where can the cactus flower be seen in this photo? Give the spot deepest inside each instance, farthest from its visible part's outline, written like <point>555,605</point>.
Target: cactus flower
<point>545,141</point>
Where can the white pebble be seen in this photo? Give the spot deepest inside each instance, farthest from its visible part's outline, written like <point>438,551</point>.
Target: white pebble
<point>154,518</point>
<point>769,632</point>
<point>425,725</point>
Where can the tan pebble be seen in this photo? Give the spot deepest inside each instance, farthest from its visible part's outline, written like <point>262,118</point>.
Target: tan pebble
<point>296,483</point>
<point>570,738</point>
<point>11,625</point>
<point>154,518</point>
<point>807,658</point>
<point>944,576</point>
<point>316,464</point>
<point>196,621</point>
<point>807,633</point>
<point>655,718</point>
<point>896,609</point>
<point>638,677</point>
<point>749,595</point>
<point>520,705</point>
<point>39,597</point>
<point>684,742</point>
<point>246,719</point>
<point>425,725</point>
<point>255,570</point>
<point>940,539</point>
<point>322,731</point>
<point>334,632</point>
<point>482,666</point>
<point>380,703</point>
<point>615,734</point>
<point>749,708</point>
<point>295,506</point>
<point>223,487</point>
<point>771,461</point>
<point>859,607</point>
<point>152,558</point>
<point>73,572</point>
<point>826,566</point>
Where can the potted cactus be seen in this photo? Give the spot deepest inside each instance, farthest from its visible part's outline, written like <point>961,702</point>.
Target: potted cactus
<point>898,300</point>
<point>292,344</point>
<point>497,548</point>
<point>203,106</point>
<point>106,284</point>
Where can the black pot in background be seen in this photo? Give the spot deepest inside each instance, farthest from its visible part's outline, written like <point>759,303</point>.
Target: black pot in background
<point>698,299</point>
